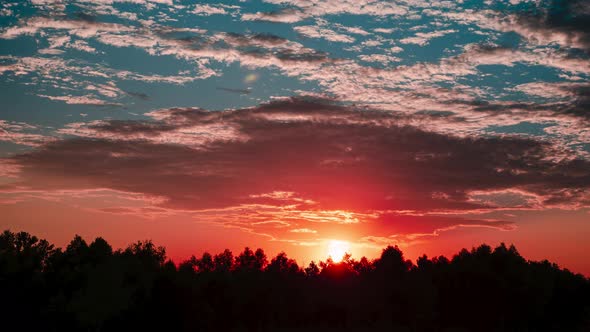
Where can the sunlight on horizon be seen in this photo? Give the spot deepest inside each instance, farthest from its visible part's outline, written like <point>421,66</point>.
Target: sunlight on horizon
<point>337,249</point>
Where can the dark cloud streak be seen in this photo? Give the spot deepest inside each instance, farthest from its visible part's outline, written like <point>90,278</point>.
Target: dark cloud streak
<point>325,152</point>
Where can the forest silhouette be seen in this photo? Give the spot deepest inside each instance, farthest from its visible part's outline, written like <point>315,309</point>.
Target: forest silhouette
<point>91,287</point>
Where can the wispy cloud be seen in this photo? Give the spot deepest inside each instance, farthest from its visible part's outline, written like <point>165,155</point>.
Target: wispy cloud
<point>324,33</point>
<point>423,38</point>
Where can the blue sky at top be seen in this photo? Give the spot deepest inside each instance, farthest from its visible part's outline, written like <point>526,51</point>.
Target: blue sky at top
<point>69,61</point>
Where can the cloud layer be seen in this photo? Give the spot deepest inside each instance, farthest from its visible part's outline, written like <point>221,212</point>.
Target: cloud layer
<point>309,158</point>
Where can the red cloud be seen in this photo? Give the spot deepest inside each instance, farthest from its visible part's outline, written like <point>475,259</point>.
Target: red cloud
<point>305,156</point>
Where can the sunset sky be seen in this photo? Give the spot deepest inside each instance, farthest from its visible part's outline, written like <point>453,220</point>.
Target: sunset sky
<point>289,125</point>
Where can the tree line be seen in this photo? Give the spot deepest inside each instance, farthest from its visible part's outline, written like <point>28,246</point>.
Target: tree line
<point>91,287</point>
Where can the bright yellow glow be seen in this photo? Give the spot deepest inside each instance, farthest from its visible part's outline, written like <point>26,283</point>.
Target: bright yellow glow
<point>251,78</point>
<point>337,249</point>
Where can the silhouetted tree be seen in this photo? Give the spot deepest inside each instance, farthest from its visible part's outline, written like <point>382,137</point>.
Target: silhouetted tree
<point>224,262</point>
<point>312,270</point>
<point>147,253</point>
<point>205,263</point>
<point>261,261</point>
<point>283,265</point>
<point>251,261</point>
<point>392,262</point>
<point>93,288</point>
<point>99,250</point>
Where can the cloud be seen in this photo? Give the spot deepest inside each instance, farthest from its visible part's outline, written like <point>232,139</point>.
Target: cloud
<point>412,89</point>
<point>283,16</point>
<point>549,90</point>
<point>384,30</point>
<point>382,58</point>
<point>314,8</point>
<point>21,134</point>
<point>206,10</point>
<point>81,28</point>
<point>432,225</point>
<point>544,22</point>
<point>193,134</point>
<point>9,169</point>
<point>313,227</point>
<point>68,75</point>
<point>301,169</point>
<point>423,38</point>
<point>303,230</point>
<point>80,100</point>
<point>323,33</point>
<point>61,33</point>
<point>299,10</point>
<point>564,22</point>
<point>330,156</point>
<point>573,101</point>
<point>355,30</point>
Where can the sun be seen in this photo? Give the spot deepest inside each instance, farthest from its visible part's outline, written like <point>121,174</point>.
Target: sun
<point>337,249</point>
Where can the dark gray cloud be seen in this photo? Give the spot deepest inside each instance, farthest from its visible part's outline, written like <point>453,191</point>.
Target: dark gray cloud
<point>138,95</point>
<point>238,91</point>
<point>327,153</point>
<point>571,18</point>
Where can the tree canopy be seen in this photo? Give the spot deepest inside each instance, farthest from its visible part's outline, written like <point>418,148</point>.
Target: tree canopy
<point>91,287</point>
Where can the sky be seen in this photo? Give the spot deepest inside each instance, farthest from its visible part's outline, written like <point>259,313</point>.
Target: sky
<point>289,125</point>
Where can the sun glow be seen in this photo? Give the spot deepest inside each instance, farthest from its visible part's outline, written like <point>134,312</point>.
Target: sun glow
<point>337,249</point>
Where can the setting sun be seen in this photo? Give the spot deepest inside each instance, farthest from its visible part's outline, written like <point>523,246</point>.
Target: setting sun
<point>337,249</point>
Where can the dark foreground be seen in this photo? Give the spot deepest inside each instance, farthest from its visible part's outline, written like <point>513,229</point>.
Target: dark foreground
<point>93,288</point>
